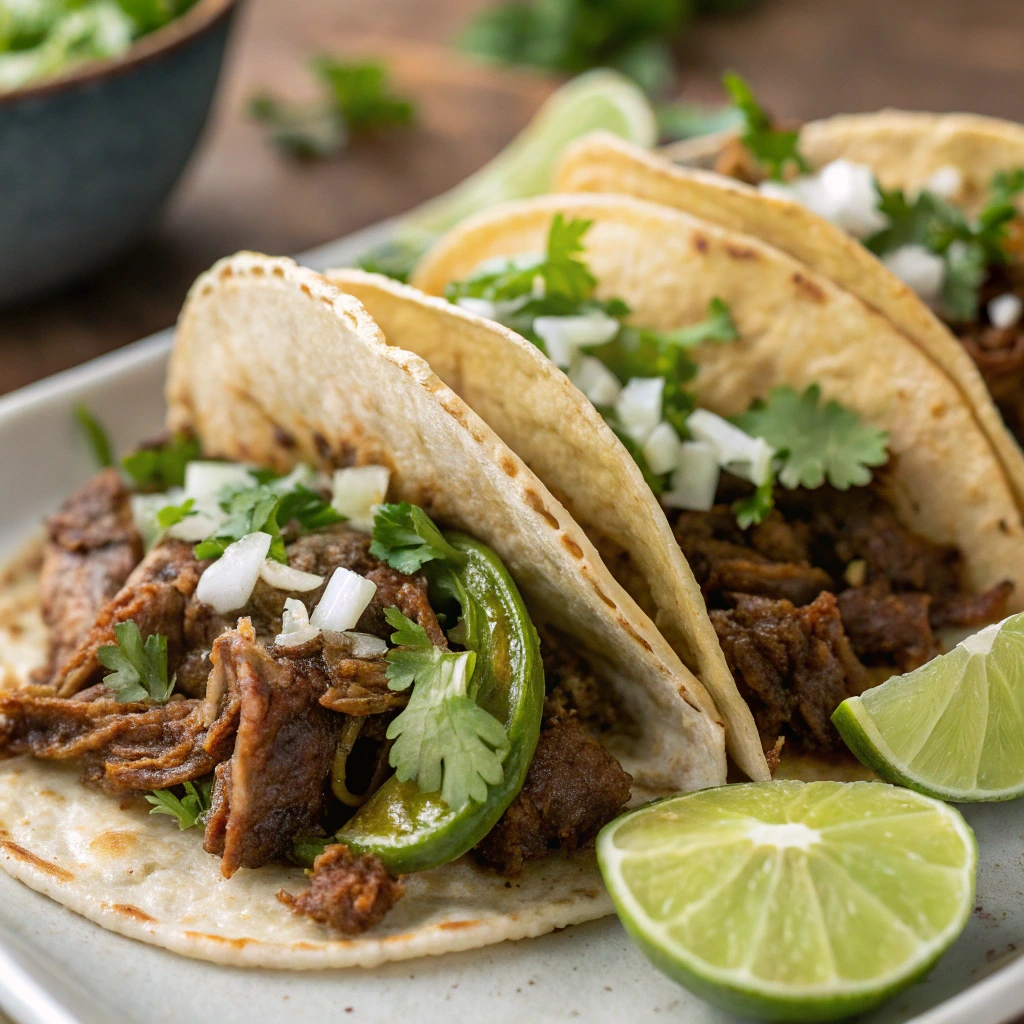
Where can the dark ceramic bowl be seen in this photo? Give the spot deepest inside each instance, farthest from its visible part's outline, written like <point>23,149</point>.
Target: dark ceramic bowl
<point>87,159</point>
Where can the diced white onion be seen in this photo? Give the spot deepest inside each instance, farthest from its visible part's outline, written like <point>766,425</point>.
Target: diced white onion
<point>778,190</point>
<point>298,637</point>
<point>748,457</point>
<point>227,584</point>
<point>303,475</point>
<point>294,617</point>
<point>359,645</point>
<point>206,480</point>
<point>198,526</point>
<point>357,491</point>
<point>918,267</point>
<point>695,480</point>
<point>639,406</point>
<point>661,449</point>
<point>1005,310</point>
<point>284,577</point>
<point>344,600</point>
<point>946,182</point>
<point>596,381</point>
<point>144,510</point>
<point>563,335</point>
<point>481,307</point>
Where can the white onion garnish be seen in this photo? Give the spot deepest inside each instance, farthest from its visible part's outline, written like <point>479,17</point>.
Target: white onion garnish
<point>563,335</point>
<point>1005,310</point>
<point>204,481</point>
<point>295,627</point>
<point>357,490</point>
<point>481,307</point>
<point>284,577</point>
<point>302,475</point>
<point>343,602</point>
<point>596,381</point>
<point>639,406</point>
<point>748,457</point>
<point>359,645</point>
<point>946,182</point>
<point>144,510</point>
<point>918,267</point>
<point>695,480</point>
<point>661,449</point>
<point>227,584</point>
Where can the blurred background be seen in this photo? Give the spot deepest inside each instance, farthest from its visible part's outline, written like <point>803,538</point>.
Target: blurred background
<point>276,171</point>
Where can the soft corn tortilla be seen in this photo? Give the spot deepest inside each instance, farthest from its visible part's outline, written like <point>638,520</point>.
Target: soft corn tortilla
<point>918,143</point>
<point>534,408</point>
<point>274,364</point>
<point>797,328</point>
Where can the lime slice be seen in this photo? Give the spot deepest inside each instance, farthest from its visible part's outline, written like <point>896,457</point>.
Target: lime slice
<point>792,900</point>
<point>953,728</point>
<point>594,101</point>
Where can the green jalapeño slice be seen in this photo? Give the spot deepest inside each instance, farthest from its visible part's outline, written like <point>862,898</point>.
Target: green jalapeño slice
<point>412,830</point>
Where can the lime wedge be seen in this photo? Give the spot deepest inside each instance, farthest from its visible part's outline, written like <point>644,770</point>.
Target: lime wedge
<point>953,728</point>
<point>792,900</point>
<point>594,101</point>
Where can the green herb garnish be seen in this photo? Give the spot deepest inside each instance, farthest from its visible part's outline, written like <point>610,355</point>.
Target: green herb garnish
<point>358,102</point>
<point>815,442</point>
<point>138,670</point>
<point>718,326</point>
<point>162,466</point>
<point>774,149</point>
<point>171,515</point>
<point>406,538</point>
<point>443,739</point>
<point>188,810</point>
<point>95,436</point>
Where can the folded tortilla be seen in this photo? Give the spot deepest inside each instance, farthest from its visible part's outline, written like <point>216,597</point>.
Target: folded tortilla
<point>798,328</point>
<point>904,149</point>
<point>275,365</point>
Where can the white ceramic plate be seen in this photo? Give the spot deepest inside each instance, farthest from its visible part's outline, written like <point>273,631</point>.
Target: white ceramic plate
<point>591,972</point>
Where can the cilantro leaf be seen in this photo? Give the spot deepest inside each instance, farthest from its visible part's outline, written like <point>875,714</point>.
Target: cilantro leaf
<point>966,270</point>
<point>188,810</point>
<point>95,436</point>
<point>815,443</point>
<point>755,509</point>
<point>161,467</point>
<point>138,670</point>
<point>304,506</point>
<point>772,147</point>
<point>169,515</point>
<point>443,739</point>
<point>406,538</point>
<point>717,326</point>
<point>251,510</point>
<point>1006,186</point>
<point>358,101</point>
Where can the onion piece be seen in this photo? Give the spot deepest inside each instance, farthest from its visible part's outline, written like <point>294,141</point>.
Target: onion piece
<point>661,449</point>
<point>297,638</point>
<point>1005,310</point>
<point>227,584</point>
<point>748,457</point>
<point>144,509</point>
<point>294,617</point>
<point>596,381</point>
<point>357,490</point>
<point>563,335</point>
<point>358,645</point>
<point>284,577</point>
<point>946,182</point>
<point>204,481</point>
<point>302,475</point>
<point>480,307</point>
<point>920,268</point>
<point>639,406</point>
<point>343,602</point>
<point>695,480</point>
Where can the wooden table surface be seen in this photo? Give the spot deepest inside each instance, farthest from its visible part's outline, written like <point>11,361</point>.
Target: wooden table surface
<point>806,57</point>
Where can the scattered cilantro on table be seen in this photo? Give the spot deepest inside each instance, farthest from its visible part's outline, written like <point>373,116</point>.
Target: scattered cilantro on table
<point>138,670</point>
<point>188,810</point>
<point>406,538</point>
<point>444,741</point>
<point>358,101</point>
<point>774,149</point>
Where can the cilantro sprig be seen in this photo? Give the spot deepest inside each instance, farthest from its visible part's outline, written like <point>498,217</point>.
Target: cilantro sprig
<point>138,670</point>
<point>444,740</point>
<point>774,149</point>
<point>188,810</point>
<point>95,436</point>
<point>162,466</point>
<point>815,442</point>
<point>406,538</point>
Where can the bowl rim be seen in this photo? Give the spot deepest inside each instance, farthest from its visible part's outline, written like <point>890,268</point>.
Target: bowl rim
<point>199,19</point>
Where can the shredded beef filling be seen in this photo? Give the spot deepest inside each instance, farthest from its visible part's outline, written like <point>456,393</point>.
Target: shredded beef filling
<point>826,597</point>
<point>347,892</point>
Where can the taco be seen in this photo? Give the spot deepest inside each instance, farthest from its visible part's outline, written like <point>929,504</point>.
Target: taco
<point>833,492</point>
<point>914,213</point>
<point>338,672</point>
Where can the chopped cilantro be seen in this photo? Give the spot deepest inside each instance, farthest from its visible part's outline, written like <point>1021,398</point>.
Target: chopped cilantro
<point>443,739</point>
<point>95,436</point>
<point>162,466</point>
<point>138,670</point>
<point>813,442</point>
<point>756,507</point>
<point>307,508</point>
<point>358,102</point>
<point>394,259</point>
<point>188,810</point>
<point>406,538</point>
<point>774,149</point>
<point>966,270</point>
<point>717,326</point>
<point>1006,186</point>
<point>169,515</point>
